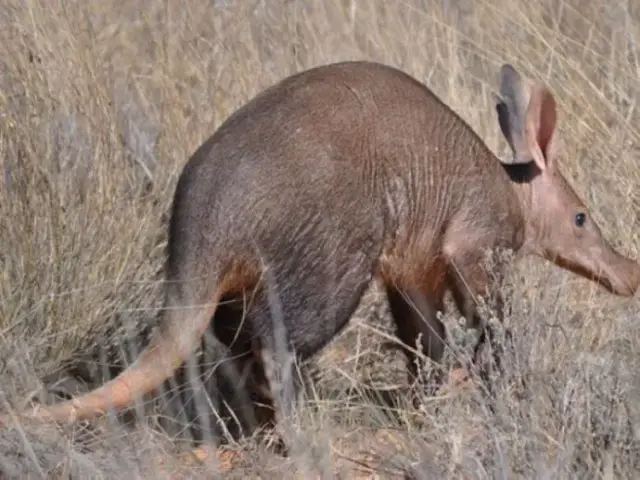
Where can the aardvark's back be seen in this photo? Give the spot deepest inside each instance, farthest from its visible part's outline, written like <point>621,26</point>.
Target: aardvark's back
<point>358,148</point>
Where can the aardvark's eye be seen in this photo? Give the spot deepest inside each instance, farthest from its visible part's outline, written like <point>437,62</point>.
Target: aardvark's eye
<point>580,219</point>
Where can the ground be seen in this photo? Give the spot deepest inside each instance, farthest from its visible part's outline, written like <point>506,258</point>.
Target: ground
<point>100,106</point>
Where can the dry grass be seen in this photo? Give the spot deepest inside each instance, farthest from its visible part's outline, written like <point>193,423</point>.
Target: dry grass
<point>100,106</point>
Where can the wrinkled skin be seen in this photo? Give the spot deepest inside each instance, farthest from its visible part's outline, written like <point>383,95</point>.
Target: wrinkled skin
<point>343,175</point>
<point>558,225</point>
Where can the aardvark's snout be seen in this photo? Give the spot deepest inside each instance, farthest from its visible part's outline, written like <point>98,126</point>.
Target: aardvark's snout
<point>623,276</point>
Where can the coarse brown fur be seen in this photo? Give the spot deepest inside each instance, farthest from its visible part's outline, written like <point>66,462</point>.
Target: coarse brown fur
<point>342,175</point>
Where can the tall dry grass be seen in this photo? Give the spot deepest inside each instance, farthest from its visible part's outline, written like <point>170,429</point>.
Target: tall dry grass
<point>102,103</point>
